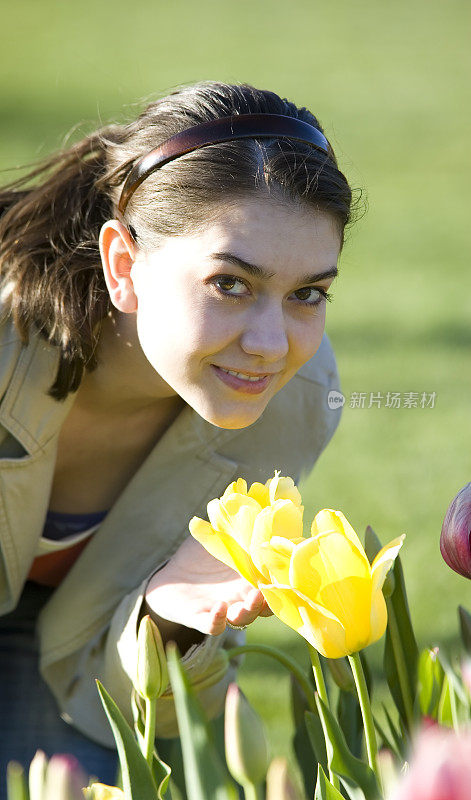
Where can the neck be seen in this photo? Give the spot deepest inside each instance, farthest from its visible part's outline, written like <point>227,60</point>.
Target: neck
<point>124,382</point>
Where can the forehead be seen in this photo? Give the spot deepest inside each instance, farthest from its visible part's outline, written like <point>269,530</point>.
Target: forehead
<point>273,234</point>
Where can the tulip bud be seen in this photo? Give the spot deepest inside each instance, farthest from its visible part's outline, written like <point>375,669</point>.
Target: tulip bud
<point>431,677</point>
<point>16,780</point>
<point>245,742</point>
<point>64,778</point>
<point>279,784</point>
<point>342,674</point>
<point>456,530</point>
<point>466,673</point>
<point>37,775</point>
<point>387,770</point>
<point>152,674</point>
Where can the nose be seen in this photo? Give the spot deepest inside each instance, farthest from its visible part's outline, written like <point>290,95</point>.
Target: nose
<point>265,333</point>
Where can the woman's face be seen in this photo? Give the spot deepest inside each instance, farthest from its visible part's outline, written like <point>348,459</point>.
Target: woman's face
<point>201,308</point>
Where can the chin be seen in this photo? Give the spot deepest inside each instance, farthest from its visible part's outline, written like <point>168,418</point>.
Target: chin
<point>231,422</point>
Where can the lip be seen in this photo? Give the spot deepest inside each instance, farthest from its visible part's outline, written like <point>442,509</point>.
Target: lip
<point>246,372</point>
<point>240,385</point>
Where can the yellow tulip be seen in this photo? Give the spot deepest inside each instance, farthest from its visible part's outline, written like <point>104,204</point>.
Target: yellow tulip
<point>323,586</point>
<point>100,791</point>
<point>241,520</point>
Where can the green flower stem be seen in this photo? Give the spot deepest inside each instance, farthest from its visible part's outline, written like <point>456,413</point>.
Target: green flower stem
<point>322,692</point>
<point>365,705</point>
<point>401,665</point>
<point>454,710</point>
<point>253,792</point>
<point>287,662</point>
<point>318,675</point>
<point>149,733</point>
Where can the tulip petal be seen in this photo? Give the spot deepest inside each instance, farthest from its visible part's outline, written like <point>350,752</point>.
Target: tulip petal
<point>330,521</point>
<point>283,489</point>
<point>260,493</point>
<point>223,547</point>
<point>236,487</point>
<point>322,561</point>
<point>273,559</point>
<point>350,600</point>
<point>235,517</point>
<point>101,791</point>
<point>316,624</point>
<point>322,631</point>
<point>378,617</point>
<point>384,561</point>
<point>283,519</point>
<point>283,602</point>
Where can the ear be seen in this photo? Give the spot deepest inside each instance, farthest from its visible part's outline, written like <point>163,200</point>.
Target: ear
<point>118,252</point>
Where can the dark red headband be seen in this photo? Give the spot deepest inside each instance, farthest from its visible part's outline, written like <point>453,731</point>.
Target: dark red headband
<point>242,126</point>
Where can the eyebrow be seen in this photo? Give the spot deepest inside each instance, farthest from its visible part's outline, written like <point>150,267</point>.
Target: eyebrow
<point>264,275</point>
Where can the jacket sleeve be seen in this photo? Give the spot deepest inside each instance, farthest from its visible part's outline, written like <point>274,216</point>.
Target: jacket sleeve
<point>111,656</point>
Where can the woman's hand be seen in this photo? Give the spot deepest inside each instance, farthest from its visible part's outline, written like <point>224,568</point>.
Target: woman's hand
<point>196,590</point>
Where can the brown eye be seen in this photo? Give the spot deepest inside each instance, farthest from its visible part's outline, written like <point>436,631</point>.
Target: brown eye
<point>224,284</point>
<point>316,298</point>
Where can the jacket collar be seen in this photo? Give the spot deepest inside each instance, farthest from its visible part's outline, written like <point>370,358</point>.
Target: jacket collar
<point>33,417</point>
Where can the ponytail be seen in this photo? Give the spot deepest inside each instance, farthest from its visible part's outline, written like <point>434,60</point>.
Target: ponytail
<point>50,269</point>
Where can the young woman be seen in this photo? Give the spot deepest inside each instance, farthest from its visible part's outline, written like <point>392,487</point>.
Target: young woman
<point>164,287</point>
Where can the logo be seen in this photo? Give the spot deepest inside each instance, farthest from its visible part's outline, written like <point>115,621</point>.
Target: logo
<point>335,399</point>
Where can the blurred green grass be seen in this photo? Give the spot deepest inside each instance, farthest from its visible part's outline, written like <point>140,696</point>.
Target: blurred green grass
<point>390,84</point>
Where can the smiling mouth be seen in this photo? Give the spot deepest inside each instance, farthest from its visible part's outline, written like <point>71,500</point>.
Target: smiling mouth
<point>242,382</point>
<point>245,375</point>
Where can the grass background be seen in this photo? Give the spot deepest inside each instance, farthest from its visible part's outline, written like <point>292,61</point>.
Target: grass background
<point>390,84</point>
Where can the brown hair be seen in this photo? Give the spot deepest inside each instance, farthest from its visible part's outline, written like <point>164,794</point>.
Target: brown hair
<point>50,268</point>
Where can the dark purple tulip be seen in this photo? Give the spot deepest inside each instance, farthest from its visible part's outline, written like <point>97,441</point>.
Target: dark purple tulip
<point>455,545</point>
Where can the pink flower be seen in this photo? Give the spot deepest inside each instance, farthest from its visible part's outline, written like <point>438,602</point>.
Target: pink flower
<point>61,778</point>
<point>440,767</point>
<point>456,530</point>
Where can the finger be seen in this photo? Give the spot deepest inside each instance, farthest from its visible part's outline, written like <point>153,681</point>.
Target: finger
<point>254,600</point>
<point>217,621</point>
<point>238,614</point>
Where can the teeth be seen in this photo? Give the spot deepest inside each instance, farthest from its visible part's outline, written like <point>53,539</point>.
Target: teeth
<point>241,375</point>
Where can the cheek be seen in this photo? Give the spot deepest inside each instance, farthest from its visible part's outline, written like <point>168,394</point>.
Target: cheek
<point>180,324</point>
<point>310,336</point>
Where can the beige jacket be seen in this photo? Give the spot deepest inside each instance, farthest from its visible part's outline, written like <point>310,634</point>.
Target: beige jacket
<point>87,629</point>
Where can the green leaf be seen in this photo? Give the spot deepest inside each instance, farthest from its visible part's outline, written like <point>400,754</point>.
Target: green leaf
<point>372,544</point>
<point>352,770</point>
<point>401,738</point>
<point>400,652</point>
<point>205,774</point>
<point>351,721</point>
<point>316,738</point>
<point>465,626</point>
<point>324,788</point>
<point>386,739</point>
<point>138,782</point>
<point>302,742</point>
<point>455,682</point>
<point>430,682</point>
